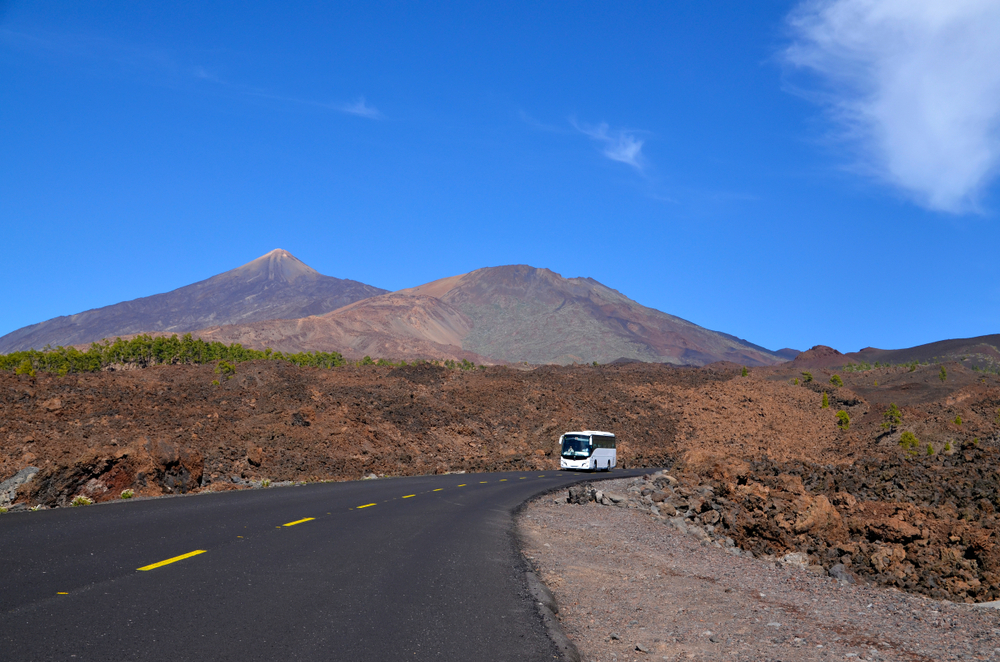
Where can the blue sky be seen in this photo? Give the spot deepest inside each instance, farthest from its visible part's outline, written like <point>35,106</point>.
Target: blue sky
<point>791,173</point>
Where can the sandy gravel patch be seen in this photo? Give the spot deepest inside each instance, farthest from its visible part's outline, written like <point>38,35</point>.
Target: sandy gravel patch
<point>631,588</point>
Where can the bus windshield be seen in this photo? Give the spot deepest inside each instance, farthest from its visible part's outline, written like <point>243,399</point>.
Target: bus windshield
<point>576,446</point>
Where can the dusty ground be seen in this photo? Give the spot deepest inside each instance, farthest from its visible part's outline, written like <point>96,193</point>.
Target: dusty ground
<point>631,588</point>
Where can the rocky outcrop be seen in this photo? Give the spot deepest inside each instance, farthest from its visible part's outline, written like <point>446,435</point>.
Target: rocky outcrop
<point>944,551</point>
<point>153,466</point>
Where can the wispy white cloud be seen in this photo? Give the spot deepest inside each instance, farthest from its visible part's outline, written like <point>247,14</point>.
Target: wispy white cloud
<point>914,85</point>
<point>155,65</point>
<point>359,108</point>
<point>618,145</point>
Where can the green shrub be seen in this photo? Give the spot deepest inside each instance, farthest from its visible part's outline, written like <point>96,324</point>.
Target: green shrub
<point>81,500</point>
<point>226,369</point>
<point>795,381</point>
<point>144,351</point>
<point>367,361</point>
<point>807,376</point>
<point>25,368</point>
<point>837,381</point>
<point>744,371</point>
<point>826,401</point>
<point>930,450</point>
<point>958,420</point>
<point>892,417</point>
<point>215,382</point>
<point>2,510</point>
<point>266,482</point>
<point>843,420</point>
<point>127,493</point>
<point>943,375</point>
<point>909,442</point>
<point>947,446</point>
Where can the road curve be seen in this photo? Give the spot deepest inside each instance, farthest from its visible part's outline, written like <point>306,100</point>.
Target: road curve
<point>418,568</point>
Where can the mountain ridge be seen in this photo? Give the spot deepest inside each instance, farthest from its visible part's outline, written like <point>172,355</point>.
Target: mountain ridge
<point>277,285</point>
<point>512,314</point>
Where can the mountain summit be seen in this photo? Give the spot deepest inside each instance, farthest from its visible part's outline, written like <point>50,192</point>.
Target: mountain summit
<point>510,313</point>
<point>274,286</point>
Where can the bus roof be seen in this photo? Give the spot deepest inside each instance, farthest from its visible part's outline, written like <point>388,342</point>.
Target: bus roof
<point>591,433</point>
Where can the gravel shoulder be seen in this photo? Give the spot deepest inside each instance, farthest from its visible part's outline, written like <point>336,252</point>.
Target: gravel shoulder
<point>631,588</point>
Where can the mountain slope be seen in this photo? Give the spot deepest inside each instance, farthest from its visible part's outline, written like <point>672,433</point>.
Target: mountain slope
<point>275,285</point>
<point>510,313</point>
<point>978,352</point>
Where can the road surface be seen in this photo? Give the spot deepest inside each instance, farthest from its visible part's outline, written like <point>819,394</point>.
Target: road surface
<point>418,568</point>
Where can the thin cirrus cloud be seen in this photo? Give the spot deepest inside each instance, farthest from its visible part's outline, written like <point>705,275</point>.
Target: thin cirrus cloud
<point>914,85</point>
<point>618,145</point>
<point>359,108</point>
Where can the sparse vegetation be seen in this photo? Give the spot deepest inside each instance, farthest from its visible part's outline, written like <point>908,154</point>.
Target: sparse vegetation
<point>795,381</point>
<point>744,371</point>
<point>892,418</point>
<point>2,510</point>
<point>843,420</point>
<point>266,482</point>
<point>127,493</point>
<point>930,450</point>
<point>947,446</point>
<point>215,382</point>
<point>943,375</point>
<point>958,420</point>
<point>144,351</point>
<point>25,368</point>
<point>226,369</point>
<point>837,381</point>
<point>826,401</point>
<point>909,442</point>
<point>81,500</point>
<point>807,376</point>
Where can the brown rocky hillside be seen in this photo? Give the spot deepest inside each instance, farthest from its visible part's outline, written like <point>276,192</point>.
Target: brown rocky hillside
<point>507,314</point>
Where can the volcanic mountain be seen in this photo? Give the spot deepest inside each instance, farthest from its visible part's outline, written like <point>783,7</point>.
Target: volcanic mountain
<point>978,352</point>
<point>510,314</point>
<point>275,285</point>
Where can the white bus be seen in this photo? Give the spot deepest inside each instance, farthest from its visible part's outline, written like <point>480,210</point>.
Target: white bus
<point>588,450</point>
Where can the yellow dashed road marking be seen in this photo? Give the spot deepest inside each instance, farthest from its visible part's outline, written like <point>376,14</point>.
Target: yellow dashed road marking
<point>483,481</point>
<point>367,505</point>
<point>438,489</point>
<point>409,495</point>
<point>299,521</point>
<point>523,477</point>
<point>173,560</point>
<point>62,593</point>
<point>462,485</point>
<point>503,480</point>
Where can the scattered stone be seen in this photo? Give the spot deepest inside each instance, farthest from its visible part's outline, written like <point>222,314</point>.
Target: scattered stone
<point>8,488</point>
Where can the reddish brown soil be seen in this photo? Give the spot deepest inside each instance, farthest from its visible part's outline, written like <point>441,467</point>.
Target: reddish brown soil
<point>793,480</point>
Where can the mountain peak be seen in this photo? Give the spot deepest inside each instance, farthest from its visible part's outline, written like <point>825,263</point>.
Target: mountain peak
<point>279,265</point>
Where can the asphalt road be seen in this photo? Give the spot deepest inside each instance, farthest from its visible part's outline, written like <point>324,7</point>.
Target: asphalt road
<point>421,568</point>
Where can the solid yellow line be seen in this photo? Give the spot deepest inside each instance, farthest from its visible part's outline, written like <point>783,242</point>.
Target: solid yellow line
<point>438,489</point>
<point>299,521</point>
<point>62,593</point>
<point>409,495</point>
<point>173,560</point>
<point>367,505</point>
